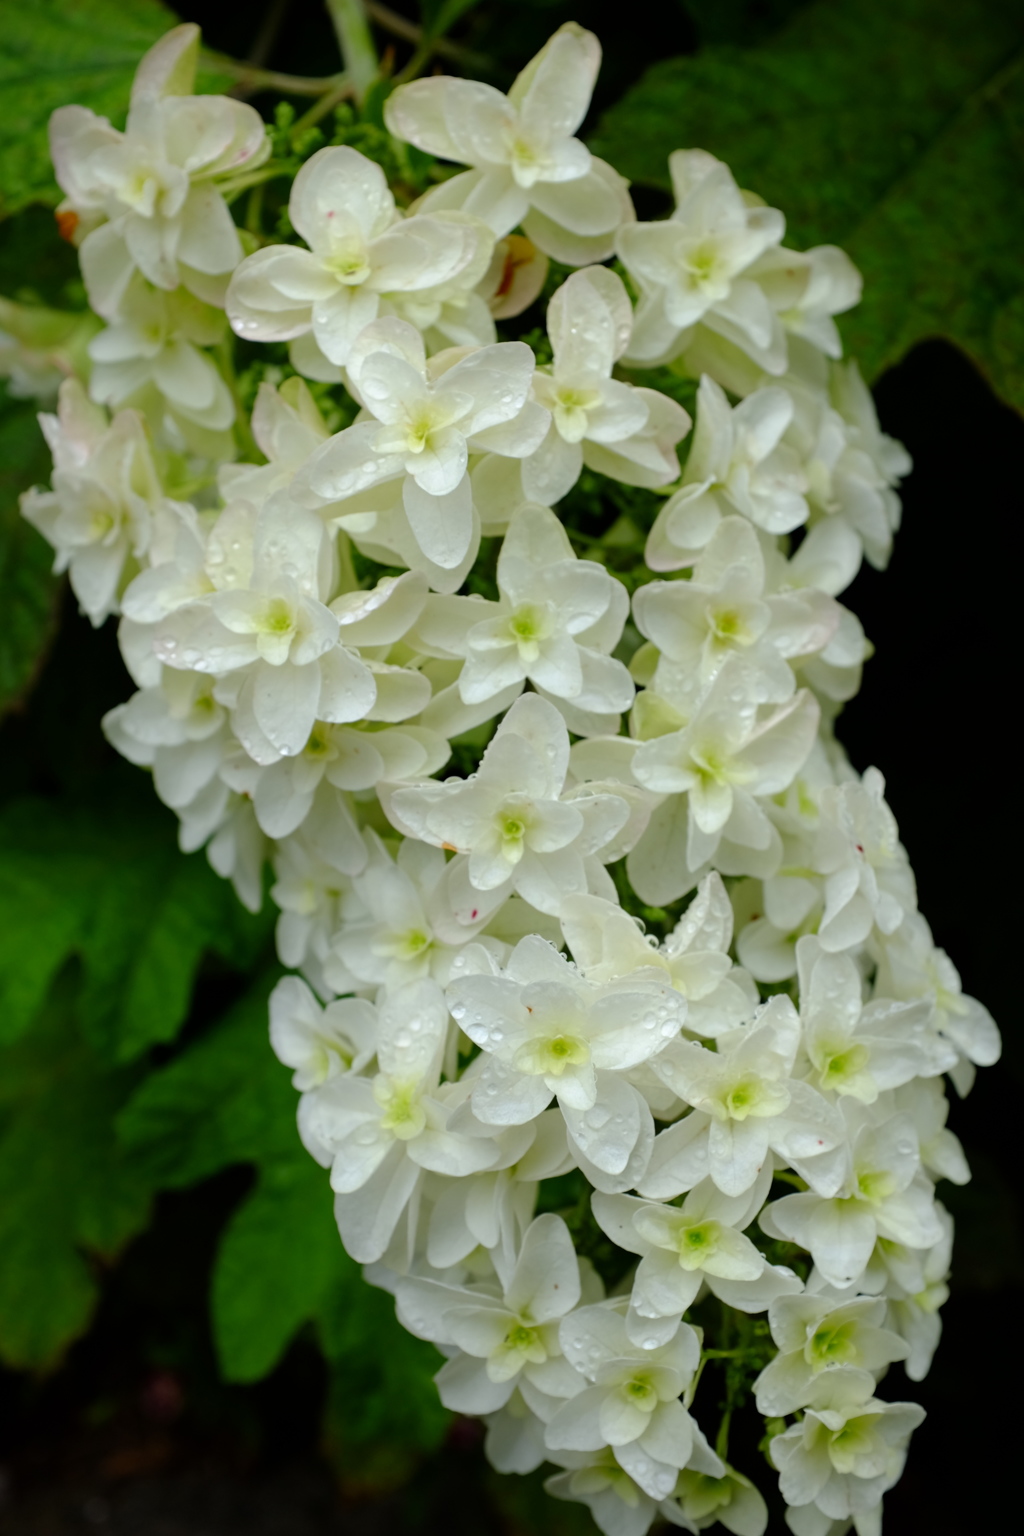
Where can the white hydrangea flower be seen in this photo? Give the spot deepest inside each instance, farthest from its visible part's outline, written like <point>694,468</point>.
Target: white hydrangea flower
<point>625,432</point>
<point>683,1248</point>
<point>822,1334</point>
<point>424,419</point>
<point>632,1403</point>
<point>320,1043</point>
<point>915,1315</point>
<point>882,1192</point>
<point>179,730</point>
<point>738,463</point>
<point>377,1135</point>
<point>512,818</point>
<point>701,1499</point>
<point>692,268</point>
<point>148,198</point>
<point>845,1453</point>
<point>546,1032</point>
<point>725,608</point>
<point>528,168</point>
<point>277,634</point>
<point>607,943</point>
<point>911,966</point>
<point>360,252</point>
<point>746,1104</point>
<point>98,516</point>
<point>852,467</point>
<point>313,891</point>
<point>854,1048</point>
<point>618,1505</point>
<point>723,760</point>
<point>872,467</point>
<point>868,879</point>
<point>507,1332</point>
<point>408,929</point>
<point>553,625</point>
<point>154,344</point>
<point>288,428</point>
<point>806,289</point>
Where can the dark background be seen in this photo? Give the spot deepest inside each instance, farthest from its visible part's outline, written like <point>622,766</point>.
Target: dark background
<point>119,1441</point>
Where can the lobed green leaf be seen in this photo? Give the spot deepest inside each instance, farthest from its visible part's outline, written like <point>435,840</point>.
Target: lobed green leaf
<point>58,51</point>
<point>894,128</point>
<point>67,1194</point>
<point>108,884</point>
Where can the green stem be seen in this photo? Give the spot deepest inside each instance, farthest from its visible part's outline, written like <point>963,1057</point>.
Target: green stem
<point>354,39</point>
<point>409,32</point>
<point>232,189</point>
<point>225,356</point>
<point>722,1438</point>
<point>326,103</point>
<point>254,78</point>
<point>254,211</point>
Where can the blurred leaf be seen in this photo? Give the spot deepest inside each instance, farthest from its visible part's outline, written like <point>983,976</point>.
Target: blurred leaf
<point>226,1099</point>
<point>892,127</point>
<point>64,1187</point>
<point>383,1412</point>
<point>53,52</point>
<point>107,883</point>
<point>279,1257</point>
<point>738,21</point>
<point>28,591</point>
<point>36,266</point>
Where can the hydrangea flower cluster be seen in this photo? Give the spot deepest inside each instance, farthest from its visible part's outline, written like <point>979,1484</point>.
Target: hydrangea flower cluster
<point>623,1043</point>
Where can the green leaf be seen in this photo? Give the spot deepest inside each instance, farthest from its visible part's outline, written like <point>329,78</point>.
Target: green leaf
<point>55,52</point>
<point>279,1258</point>
<point>28,592</point>
<point>383,1413</point>
<point>738,21</point>
<point>894,128</point>
<point>225,1100</point>
<point>67,1194</point>
<point>106,882</point>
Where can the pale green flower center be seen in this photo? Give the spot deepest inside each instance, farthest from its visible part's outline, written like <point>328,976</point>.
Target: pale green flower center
<point>403,1113</point>
<point>875,1185</point>
<point>698,1243</point>
<point>551,1055</point>
<point>831,1344</point>
<point>641,1393</point>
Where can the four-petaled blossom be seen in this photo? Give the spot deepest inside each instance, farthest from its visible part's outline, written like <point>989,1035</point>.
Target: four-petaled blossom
<point>738,464</point>
<point>528,168</point>
<point>148,199</point>
<point>508,1338</point>
<point>631,1402</point>
<point>511,818</point>
<point>746,1104</point>
<point>553,625</point>
<point>360,252</point>
<point>625,432</point>
<point>423,421</point>
<point>546,1032</point>
<point>691,267</point>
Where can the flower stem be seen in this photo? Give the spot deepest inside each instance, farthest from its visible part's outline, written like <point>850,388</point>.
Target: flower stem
<point>254,78</point>
<point>357,49</point>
